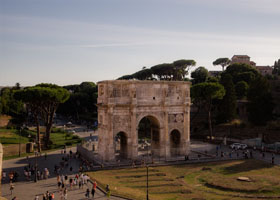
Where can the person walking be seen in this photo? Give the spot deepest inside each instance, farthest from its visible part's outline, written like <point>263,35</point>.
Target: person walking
<point>12,187</point>
<point>4,175</point>
<point>93,189</point>
<point>87,193</point>
<point>65,194</point>
<point>108,191</point>
<point>52,196</point>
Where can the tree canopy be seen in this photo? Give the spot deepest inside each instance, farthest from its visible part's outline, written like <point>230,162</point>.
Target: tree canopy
<point>199,75</point>
<point>241,72</point>
<point>204,94</point>
<point>276,67</point>
<point>43,101</point>
<point>241,89</point>
<point>82,102</point>
<point>222,61</point>
<point>175,71</point>
<point>227,106</point>
<point>260,104</point>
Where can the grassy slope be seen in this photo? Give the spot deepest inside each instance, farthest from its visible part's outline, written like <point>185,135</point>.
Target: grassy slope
<point>190,181</point>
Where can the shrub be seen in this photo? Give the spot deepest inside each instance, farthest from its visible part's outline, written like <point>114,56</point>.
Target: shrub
<point>68,143</point>
<point>75,137</point>
<point>57,130</point>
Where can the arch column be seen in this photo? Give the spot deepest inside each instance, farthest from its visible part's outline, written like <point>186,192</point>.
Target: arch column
<point>162,142</point>
<point>110,150</point>
<point>133,148</point>
<point>185,139</point>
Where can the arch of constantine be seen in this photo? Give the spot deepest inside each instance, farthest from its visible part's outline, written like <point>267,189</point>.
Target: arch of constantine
<point>130,108</point>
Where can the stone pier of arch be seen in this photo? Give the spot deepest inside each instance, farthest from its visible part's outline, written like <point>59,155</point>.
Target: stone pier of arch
<point>123,103</point>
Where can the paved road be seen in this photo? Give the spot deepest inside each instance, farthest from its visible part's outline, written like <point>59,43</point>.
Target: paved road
<point>211,149</point>
<point>26,190</point>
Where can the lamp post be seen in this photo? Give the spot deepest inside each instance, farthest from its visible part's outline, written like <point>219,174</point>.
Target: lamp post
<point>19,142</point>
<point>35,177</point>
<point>147,167</point>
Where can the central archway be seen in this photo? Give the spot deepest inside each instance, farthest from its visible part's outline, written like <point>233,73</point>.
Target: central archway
<point>148,137</point>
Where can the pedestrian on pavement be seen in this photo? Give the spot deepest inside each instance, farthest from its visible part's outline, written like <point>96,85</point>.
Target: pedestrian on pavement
<point>80,184</point>
<point>93,189</point>
<point>71,183</point>
<point>48,195</point>
<point>12,187</point>
<point>108,191</point>
<point>65,193</point>
<point>87,193</point>
<point>45,197</point>
<point>36,197</point>
<point>4,175</point>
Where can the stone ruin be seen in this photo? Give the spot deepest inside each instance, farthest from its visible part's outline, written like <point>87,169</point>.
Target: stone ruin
<point>124,104</point>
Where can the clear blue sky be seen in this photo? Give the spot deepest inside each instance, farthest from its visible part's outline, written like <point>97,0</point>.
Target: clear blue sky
<point>70,41</point>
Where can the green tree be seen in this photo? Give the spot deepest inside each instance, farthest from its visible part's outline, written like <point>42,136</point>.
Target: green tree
<point>125,77</point>
<point>181,68</point>
<point>241,89</point>
<point>204,94</point>
<point>11,106</point>
<point>163,71</point>
<point>175,71</point>
<point>144,74</point>
<point>82,102</point>
<point>276,67</point>
<point>260,104</point>
<point>43,100</point>
<point>227,106</point>
<point>222,61</point>
<point>241,72</point>
<point>212,79</point>
<point>199,75</point>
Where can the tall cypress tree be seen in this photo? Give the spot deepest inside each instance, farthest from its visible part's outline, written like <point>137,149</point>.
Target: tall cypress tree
<point>227,108</point>
<point>260,104</point>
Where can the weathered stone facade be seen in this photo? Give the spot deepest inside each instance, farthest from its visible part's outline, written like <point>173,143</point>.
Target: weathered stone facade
<point>1,158</point>
<point>123,103</point>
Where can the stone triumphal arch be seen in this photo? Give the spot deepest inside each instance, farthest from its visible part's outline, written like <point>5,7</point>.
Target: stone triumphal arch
<point>128,108</point>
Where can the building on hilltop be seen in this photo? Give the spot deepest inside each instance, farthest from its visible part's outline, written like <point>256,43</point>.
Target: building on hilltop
<point>264,70</point>
<point>241,59</point>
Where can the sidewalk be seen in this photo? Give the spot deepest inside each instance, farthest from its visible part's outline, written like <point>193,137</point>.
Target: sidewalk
<point>26,190</point>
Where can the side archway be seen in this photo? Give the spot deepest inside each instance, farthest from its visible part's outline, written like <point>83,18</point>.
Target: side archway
<point>121,145</point>
<point>175,142</point>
